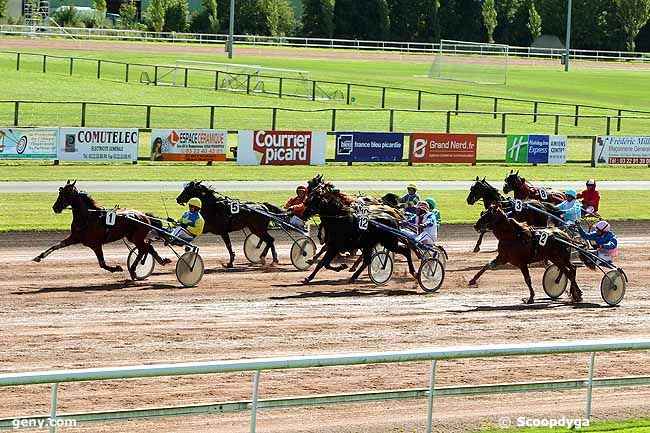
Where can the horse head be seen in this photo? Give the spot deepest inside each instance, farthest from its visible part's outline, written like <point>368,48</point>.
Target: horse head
<point>512,181</point>
<point>490,218</point>
<point>314,182</point>
<point>68,193</point>
<point>324,200</point>
<point>194,188</point>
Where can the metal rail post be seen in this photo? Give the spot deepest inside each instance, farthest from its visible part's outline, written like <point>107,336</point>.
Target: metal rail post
<point>557,124</point>
<point>457,103</point>
<point>609,125</point>
<point>419,100</point>
<point>212,117</point>
<point>448,128</point>
<point>71,65</point>
<point>274,117</point>
<point>256,385</point>
<point>432,384</point>
<point>53,400</point>
<point>503,123</point>
<point>16,110</point>
<point>44,63</point>
<point>99,69</point>
<point>535,112</point>
<point>590,383</point>
<point>83,114</point>
<point>333,119</point>
<point>392,118</point>
<point>618,120</point>
<point>126,73</point>
<point>577,115</point>
<point>496,107</point>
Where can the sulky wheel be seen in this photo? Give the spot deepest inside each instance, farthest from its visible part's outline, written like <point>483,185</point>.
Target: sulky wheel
<point>380,269</point>
<point>431,275</point>
<point>145,265</point>
<point>253,247</point>
<point>612,286</point>
<point>189,269</point>
<point>302,251</point>
<point>554,282</point>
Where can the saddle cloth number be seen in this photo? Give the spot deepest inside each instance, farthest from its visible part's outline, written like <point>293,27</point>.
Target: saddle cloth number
<point>111,216</point>
<point>543,238</point>
<point>519,205</point>
<point>363,222</point>
<point>234,207</point>
<point>542,194</point>
<point>364,210</point>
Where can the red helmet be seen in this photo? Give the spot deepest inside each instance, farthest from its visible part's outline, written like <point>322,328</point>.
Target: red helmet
<point>302,188</point>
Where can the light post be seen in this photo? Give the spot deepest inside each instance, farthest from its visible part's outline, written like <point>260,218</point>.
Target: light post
<point>568,37</point>
<point>231,29</point>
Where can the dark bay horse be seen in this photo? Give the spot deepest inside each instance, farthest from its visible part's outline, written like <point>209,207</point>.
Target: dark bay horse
<point>525,190</point>
<point>481,190</point>
<point>343,234</point>
<point>520,246</point>
<point>89,228</point>
<point>220,221</point>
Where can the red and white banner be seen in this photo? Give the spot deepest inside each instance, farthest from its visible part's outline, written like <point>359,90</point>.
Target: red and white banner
<point>443,148</point>
<point>622,150</point>
<point>188,145</point>
<point>281,147</point>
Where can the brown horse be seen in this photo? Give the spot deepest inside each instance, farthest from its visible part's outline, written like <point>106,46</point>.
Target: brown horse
<point>90,229</point>
<point>481,190</point>
<point>525,190</point>
<point>520,246</point>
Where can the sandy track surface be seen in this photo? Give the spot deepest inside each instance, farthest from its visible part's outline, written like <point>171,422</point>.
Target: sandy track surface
<point>67,313</point>
<point>218,51</point>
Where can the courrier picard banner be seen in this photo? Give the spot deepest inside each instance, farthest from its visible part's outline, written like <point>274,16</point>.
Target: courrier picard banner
<point>281,147</point>
<point>443,148</point>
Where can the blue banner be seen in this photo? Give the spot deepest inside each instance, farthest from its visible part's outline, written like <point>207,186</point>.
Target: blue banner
<point>538,149</point>
<point>369,146</point>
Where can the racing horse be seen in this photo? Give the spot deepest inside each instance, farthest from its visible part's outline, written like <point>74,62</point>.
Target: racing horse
<point>90,229</point>
<point>342,231</point>
<point>525,190</point>
<point>220,221</point>
<point>482,190</point>
<point>520,246</point>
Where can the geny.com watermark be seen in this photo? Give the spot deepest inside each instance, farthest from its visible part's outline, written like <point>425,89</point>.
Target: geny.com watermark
<point>43,422</point>
<point>561,422</point>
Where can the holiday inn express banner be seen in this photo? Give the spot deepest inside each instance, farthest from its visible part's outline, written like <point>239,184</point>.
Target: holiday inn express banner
<point>536,149</point>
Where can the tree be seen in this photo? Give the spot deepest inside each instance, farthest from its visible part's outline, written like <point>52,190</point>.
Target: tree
<point>100,6</point>
<point>404,18</point>
<point>344,19</point>
<point>3,8</point>
<point>534,24</point>
<point>633,15</point>
<point>129,14</point>
<point>156,15</point>
<point>176,13</point>
<point>489,13</point>
<point>317,18</point>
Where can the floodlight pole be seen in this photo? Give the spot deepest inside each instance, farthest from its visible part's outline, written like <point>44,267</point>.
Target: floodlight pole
<point>231,29</point>
<point>568,36</point>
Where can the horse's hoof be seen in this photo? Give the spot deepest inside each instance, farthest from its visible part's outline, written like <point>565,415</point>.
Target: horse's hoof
<point>343,266</point>
<point>166,262</point>
<point>36,259</point>
<point>473,283</point>
<point>528,301</point>
<point>306,281</point>
<point>262,261</point>
<point>476,250</point>
<point>118,268</point>
<point>309,261</point>
<point>352,280</point>
<point>228,265</point>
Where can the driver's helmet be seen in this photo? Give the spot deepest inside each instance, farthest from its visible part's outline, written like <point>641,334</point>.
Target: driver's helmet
<point>591,182</point>
<point>423,205</point>
<point>431,202</point>
<point>571,193</point>
<point>301,188</point>
<point>603,226</point>
<point>195,201</point>
<point>412,186</point>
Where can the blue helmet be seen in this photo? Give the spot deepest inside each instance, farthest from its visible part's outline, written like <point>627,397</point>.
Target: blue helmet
<point>571,193</point>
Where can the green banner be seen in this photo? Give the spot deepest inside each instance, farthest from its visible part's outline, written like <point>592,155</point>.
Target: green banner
<point>517,149</point>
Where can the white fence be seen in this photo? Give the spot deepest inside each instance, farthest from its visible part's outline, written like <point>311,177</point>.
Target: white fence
<point>394,46</point>
<point>256,366</point>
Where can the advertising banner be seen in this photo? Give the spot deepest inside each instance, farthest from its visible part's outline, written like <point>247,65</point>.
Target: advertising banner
<point>369,146</point>
<point>281,147</point>
<point>188,145</point>
<point>98,144</point>
<point>443,148</point>
<point>622,150</point>
<point>32,143</point>
<point>536,149</point>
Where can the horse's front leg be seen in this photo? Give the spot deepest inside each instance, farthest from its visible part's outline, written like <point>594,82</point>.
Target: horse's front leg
<point>329,255</point>
<point>156,256</point>
<point>477,248</point>
<point>64,243</point>
<point>226,240</point>
<point>491,265</point>
<point>366,255</point>
<point>529,283</point>
<point>102,263</point>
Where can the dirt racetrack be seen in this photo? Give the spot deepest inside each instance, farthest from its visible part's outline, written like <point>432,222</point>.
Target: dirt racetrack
<point>67,313</point>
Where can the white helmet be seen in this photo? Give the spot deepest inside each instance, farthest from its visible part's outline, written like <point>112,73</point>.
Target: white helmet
<point>602,226</point>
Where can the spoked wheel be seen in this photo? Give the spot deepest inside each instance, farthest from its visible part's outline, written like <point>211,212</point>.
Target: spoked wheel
<point>554,282</point>
<point>436,252</point>
<point>189,269</point>
<point>302,251</point>
<point>612,286</point>
<point>431,275</point>
<point>253,247</point>
<point>144,267</point>
<point>380,269</point>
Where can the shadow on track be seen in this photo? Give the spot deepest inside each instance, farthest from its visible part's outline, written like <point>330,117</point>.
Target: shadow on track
<point>347,294</point>
<point>545,304</point>
<point>128,284</point>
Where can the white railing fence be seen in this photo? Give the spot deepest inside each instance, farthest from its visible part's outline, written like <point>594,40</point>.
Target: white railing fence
<point>256,366</point>
<point>254,40</point>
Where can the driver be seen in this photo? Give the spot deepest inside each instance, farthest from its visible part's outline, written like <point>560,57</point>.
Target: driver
<point>191,223</point>
<point>604,238</point>
<point>425,220</point>
<point>571,207</point>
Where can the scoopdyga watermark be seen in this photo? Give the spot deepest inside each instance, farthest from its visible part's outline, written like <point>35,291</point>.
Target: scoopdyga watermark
<point>561,422</point>
<point>43,422</point>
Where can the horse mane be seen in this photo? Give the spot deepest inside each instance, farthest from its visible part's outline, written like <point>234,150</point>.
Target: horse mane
<point>521,228</point>
<point>88,200</point>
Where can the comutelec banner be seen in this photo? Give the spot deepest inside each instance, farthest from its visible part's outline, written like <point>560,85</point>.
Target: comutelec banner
<point>622,150</point>
<point>28,143</point>
<point>188,145</point>
<point>281,147</point>
<point>536,149</point>
<point>98,144</point>
<point>369,146</point>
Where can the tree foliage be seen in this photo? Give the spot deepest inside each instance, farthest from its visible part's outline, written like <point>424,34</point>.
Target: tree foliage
<point>318,18</point>
<point>489,13</point>
<point>156,15</point>
<point>176,14</point>
<point>3,8</point>
<point>633,15</point>
<point>100,5</point>
<point>534,24</point>
<point>129,14</point>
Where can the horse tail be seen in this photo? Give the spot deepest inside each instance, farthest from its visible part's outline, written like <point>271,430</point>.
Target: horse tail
<point>587,260</point>
<point>154,220</point>
<point>273,208</point>
<point>552,209</point>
